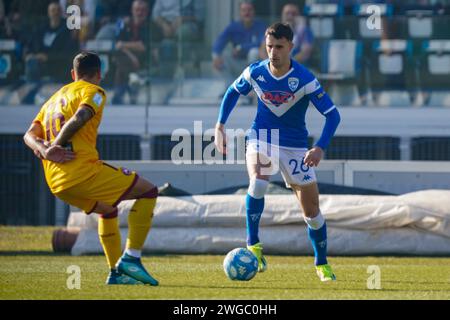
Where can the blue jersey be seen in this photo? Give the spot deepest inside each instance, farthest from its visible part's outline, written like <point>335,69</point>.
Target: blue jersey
<point>283,101</point>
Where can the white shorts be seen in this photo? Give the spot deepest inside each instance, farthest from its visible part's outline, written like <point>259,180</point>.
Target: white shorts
<point>288,160</point>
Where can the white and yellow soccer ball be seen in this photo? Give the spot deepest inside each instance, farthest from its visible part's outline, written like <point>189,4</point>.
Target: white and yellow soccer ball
<point>240,264</point>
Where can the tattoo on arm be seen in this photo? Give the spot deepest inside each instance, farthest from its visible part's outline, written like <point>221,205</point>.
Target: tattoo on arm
<point>81,117</point>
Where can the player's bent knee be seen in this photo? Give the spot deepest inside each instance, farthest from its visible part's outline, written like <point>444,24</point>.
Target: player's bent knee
<point>105,211</point>
<point>141,187</point>
<point>151,194</point>
<point>257,188</point>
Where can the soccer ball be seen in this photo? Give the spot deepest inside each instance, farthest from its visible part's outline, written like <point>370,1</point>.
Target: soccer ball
<point>240,264</point>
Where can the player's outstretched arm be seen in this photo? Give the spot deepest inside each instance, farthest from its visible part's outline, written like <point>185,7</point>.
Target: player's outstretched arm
<point>220,138</point>
<point>81,117</point>
<point>313,156</point>
<point>228,103</point>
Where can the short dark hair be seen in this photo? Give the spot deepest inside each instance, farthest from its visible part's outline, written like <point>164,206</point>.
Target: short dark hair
<point>86,64</point>
<point>280,30</point>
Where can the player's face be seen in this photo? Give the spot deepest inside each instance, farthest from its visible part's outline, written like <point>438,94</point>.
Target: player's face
<point>278,50</point>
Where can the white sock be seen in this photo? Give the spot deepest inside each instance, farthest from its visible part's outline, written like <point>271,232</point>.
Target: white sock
<point>315,223</point>
<point>133,252</point>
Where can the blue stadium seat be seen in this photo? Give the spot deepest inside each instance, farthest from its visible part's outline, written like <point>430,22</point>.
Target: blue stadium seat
<point>340,70</point>
<point>390,79</point>
<point>435,72</point>
<point>45,92</point>
<point>10,52</point>
<point>420,23</point>
<point>323,19</point>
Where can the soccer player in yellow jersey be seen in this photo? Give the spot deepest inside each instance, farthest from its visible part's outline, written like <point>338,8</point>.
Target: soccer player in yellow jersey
<point>64,135</point>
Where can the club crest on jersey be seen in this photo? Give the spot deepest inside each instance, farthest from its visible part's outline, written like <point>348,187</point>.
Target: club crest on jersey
<point>293,83</point>
<point>277,97</point>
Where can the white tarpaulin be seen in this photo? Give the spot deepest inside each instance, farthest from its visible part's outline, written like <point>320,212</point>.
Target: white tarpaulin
<point>414,223</point>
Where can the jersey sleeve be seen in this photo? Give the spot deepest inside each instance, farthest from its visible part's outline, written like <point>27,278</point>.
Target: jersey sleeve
<point>39,117</point>
<point>243,84</point>
<point>318,97</point>
<point>93,97</point>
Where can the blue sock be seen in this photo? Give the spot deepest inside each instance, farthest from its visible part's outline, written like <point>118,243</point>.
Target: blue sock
<point>255,207</point>
<point>319,242</point>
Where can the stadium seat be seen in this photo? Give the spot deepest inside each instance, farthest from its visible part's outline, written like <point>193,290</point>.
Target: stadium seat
<point>323,19</point>
<point>199,91</point>
<point>340,69</point>
<point>390,79</point>
<point>10,52</point>
<point>45,92</point>
<point>420,23</point>
<point>435,72</point>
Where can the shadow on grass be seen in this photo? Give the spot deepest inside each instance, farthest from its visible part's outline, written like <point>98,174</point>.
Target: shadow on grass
<point>32,253</point>
<point>321,289</point>
<point>56,254</point>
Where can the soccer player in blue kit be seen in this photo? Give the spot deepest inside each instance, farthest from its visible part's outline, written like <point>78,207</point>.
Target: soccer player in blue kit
<point>285,88</point>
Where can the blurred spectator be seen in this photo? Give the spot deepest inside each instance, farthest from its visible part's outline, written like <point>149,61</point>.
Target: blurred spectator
<point>179,19</point>
<point>181,23</point>
<point>111,15</point>
<point>25,15</point>
<point>303,36</point>
<point>245,35</point>
<point>51,50</point>
<point>6,31</point>
<point>133,48</point>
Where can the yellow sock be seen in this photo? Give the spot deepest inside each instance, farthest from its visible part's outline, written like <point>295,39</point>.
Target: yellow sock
<point>109,234</point>
<point>139,222</point>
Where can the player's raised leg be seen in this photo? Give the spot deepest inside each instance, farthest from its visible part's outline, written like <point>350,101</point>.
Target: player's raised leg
<point>255,205</point>
<point>308,196</point>
<point>139,223</point>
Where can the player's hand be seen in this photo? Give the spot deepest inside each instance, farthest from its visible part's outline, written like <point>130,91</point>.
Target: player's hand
<point>220,138</point>
<point>313,157</point>
<point>56,153</point>
<point>45,143</point>
<point>218,63</point>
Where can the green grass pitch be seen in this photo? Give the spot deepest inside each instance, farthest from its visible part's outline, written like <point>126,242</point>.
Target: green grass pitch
<point>30,270</point>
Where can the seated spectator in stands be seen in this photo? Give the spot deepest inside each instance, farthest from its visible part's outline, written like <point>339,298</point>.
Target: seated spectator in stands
<point>51,49</point>
<point>245,36</point>
<point>181,23</point>
<point>6,30</point>
<point>23,16</point>
<point>133,49</point>
<point>111,15</point>
<point>303,36</point>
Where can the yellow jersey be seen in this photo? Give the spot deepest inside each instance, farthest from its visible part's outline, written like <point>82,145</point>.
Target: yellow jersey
<point>52,116</point>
